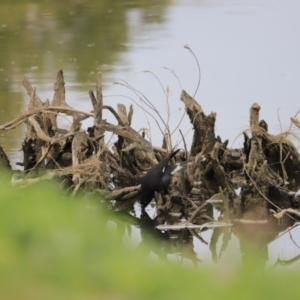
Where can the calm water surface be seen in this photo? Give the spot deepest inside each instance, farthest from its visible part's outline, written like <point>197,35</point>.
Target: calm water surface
<point>248,52</point>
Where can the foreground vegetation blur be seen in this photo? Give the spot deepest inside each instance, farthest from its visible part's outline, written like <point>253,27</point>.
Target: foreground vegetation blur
<point>52,247</point>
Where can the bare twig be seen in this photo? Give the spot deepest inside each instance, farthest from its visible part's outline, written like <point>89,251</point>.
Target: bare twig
<point>194,214</point>
<point>41,134</point>
<point>173,72</point>
<point>120,194</point>
<point>93,98</point>
<point>146,111</point>
<point>185,149</point>
<point>286,262</point>
<point>47,109</point>
<point>199,78</point>
<point>284,211</point>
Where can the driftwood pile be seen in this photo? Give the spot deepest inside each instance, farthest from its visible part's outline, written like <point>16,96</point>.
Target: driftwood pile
<point>265,171</point>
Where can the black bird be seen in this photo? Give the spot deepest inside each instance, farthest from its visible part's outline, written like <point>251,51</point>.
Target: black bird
<point>158,177</point>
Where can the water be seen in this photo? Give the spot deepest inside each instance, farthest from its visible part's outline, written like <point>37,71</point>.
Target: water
<point>225,247</point>
<point>248,52</point>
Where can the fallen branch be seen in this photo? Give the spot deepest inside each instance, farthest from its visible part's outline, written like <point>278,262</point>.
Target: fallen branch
<point>47,109</point>
<point>285,211</point>
<point>120,194</point>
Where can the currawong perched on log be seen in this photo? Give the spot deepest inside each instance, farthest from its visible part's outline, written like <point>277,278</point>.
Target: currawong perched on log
<point>158,178</point>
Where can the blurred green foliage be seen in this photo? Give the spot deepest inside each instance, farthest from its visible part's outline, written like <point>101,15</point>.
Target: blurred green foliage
<point>52,247</point>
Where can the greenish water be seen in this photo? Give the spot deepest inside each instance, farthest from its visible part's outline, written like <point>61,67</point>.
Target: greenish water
<point>248,52</point>
<point>38,38</point>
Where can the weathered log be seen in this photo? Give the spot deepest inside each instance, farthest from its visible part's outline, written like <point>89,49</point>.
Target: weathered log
<point>204,126</point>
<point>98,106</point>
<point>40,133</point>
<point>136,139</point>
<point>31,148</point>
<point>214,168</point>
<point>278,150</point>
<point>81,150</point>
<point>59,100</point>
<point>45,110</point>
<point>123,145</point>
<point>121,194</point>
<point>122,113</point>
<point>263,183</point>
<point>34,101</point>
<point>254,117</point>
<point>256,157</point>
<point>59,97</point>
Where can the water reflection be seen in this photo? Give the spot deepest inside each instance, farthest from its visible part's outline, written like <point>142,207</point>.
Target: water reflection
<point>257,245</point>
<point>82,37</point>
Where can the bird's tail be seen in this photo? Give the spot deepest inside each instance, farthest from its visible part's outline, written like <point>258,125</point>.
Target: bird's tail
<point>173,153</point>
